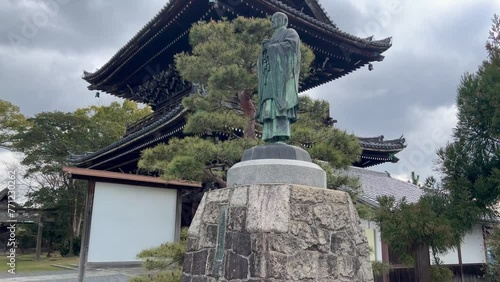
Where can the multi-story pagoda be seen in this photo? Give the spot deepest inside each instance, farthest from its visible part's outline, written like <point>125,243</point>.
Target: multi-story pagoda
<point>143,71</point>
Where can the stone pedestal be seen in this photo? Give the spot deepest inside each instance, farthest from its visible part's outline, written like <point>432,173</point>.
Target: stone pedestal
<point>276,232</point>
<point>276,164</point>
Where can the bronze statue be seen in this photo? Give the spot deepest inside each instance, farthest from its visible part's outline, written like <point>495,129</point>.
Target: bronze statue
<point>279,70</point>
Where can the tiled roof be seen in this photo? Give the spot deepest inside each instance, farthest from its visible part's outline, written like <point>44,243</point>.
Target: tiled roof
<point>375,184</point>
<point>173,10</point>
<point>75,159</point>
<point>379,143</point>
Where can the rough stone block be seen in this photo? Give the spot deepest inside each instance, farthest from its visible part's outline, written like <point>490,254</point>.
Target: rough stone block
<point>279,233</point>
<point>331,217</point>
<point>257,265</point>
<point>268,208</point>
<point>236,266</point>
<point>242,244</point>
<point>192,244</point>
<point>188,263</point>
<point>209,237</point>
<point>328,266</point>
<point>306,196</point>
<point>276,265</point>
<point>199,263</point>
<point>286,244</point>
<point>302,213</point>
<point>236,220</point>
<point>211,213</point>
<point>342,244</point>
<point>185,277</point>
<point>219,196</point>
<point>194,228</point>
<point>303,265</point>
<point>239,197</point>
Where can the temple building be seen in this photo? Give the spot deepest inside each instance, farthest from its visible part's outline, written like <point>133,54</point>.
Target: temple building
<point>142,71</point>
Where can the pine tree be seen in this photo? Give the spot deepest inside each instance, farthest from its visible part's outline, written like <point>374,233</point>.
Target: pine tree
<point>471,163</point>
<point>223,66</point>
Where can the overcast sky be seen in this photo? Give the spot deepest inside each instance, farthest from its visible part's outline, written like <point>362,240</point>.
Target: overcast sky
<point>46,44</point>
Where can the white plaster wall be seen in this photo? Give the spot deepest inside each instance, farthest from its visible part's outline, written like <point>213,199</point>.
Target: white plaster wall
<point>127,219</point>
<point>378,241</point>
<point>472,249</point>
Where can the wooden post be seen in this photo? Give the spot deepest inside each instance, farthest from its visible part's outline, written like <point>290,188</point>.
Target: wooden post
<point>87,222</point>
<point>178,217</point>
<point>422,264</point>
<point>39,238</point>
<point>460,263</point>
<point>386,259</point>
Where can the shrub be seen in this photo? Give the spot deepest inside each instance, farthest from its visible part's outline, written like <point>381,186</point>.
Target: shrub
<point>168,258</point>
<point>76,246</point>
<point>380,268</point>
<point>64,249</point>
<point>166,276</point>
<point>440,273</point>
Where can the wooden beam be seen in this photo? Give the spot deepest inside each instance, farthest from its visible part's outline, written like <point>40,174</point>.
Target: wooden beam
<point>87,223</point>
<point>178,217</point>
<point>422,264</point>
<point>386,259</point>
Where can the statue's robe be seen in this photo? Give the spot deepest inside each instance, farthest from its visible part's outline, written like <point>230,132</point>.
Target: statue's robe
<point>279,69</point>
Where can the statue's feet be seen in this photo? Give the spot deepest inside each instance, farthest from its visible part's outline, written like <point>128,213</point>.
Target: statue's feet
<point>281,140</point>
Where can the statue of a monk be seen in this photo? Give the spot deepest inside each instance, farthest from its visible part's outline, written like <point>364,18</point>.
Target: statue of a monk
<point>279,70</point>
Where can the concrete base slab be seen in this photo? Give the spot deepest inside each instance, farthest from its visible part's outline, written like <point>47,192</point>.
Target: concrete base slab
<point>276,171</point>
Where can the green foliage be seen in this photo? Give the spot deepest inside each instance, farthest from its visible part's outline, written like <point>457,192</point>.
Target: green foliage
<point>47,142</point>
<point>470,164</point>
<point>414,179</point>
<point>493,245</point>
<point>440,273</point>
<point>406,226</point>
<point>380,268</point>
<point>64,249</point>
<point>365,211</point>
<point>53,136</point>
<point>11,121</point>
<point>194,158</point>
<point>223,63</point>
<point>165,276</point>
<point>225,53</point>
<point>167,259</point>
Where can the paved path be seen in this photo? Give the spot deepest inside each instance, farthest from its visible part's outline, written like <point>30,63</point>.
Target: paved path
<point>111,275</point>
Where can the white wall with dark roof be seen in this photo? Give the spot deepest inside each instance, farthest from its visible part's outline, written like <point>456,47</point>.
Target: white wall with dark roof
<point>473,248</point>
<point>375,184</point>
<point>127,219</point>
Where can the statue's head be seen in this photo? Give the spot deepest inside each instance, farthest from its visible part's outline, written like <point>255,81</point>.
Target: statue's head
<point>279,20</point>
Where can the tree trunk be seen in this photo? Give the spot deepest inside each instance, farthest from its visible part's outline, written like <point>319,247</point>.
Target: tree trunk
<point>216,178</point>
<point>73,219</point>
<point>460,262</point>
<point>422,264</point>
<point>248,112</point>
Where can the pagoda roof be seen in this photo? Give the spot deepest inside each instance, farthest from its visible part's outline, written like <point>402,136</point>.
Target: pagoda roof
<point>153,48</point>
